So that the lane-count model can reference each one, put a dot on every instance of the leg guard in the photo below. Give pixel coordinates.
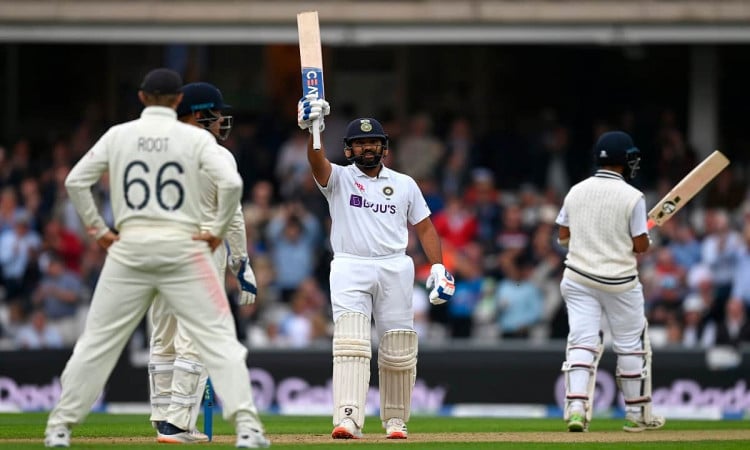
(580, 373)
(397, 364)
(352, 351)
(160, 387)
(633, 377)
(186, 395)
(199, 393)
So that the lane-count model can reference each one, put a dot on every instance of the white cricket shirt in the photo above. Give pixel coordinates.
(209, 204)
(370, 215)
(155, 166)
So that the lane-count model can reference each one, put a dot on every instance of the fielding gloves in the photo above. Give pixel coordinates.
(246, 279)
(441, 283)
(310, 108)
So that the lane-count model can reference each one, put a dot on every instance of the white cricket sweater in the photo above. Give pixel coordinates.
(600, 251)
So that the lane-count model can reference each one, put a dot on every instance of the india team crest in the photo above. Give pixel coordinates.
(365, 126)
(388, 191)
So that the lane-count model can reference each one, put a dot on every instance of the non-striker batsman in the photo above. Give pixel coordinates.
(603, 224)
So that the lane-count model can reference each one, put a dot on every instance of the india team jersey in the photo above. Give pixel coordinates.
(155, 166)
(370, 215)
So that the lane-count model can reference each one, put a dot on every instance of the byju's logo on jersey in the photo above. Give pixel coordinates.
(358, 201)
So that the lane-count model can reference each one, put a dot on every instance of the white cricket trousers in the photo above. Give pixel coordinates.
(380, 288)
(142, 264)
(624, 311)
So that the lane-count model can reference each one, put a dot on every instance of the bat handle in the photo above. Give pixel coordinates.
(316, 134)
(650, 224)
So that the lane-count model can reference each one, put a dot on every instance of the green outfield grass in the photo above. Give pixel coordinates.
(110, 432)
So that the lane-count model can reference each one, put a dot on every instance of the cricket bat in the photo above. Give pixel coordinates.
(687, 188)
(311, 60)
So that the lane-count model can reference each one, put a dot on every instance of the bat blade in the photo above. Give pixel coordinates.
(687, 188)
(311, 61)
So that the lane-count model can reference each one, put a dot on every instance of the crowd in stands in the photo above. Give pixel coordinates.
(494, 201)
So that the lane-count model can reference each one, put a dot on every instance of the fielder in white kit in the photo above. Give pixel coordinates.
(603, 224)
(156, 164)
(177, 377)
(372, 277)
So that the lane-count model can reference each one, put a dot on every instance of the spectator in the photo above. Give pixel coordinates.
(419, 152)
(37, 334)
(741, 277)
(31, 199)
(513, 239)
(59, 294)
(727, 191)
(664, 287)
(456, 224)
(9, 208)
(459, 157)
(63, 243)
(258, 213)
(685, 247)
(520, 302)
(19, 248)
(734, 329)
(699, 331)
(547, 264)
(484, 198)
(291, 167)
(294, 237)
(720, 252)
(296, 329)
(469, 289)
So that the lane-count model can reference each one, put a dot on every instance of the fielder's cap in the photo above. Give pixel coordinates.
(364, 128)
(200, 96)
(162, 82)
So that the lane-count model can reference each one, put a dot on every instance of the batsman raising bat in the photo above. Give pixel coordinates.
(372, 277)
(603, 224)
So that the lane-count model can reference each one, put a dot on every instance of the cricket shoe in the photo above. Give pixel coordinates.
(577, 423)
(198, 435)
(636, 424)
(347, 429)
(252, 438)
(395, 429)
(166, 433)
(57, 437)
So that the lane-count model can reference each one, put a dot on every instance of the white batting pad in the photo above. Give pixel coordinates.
(397, 369)
(633, 376)
(580, 376)
(160, 387)
(185, 395)
(352, 351)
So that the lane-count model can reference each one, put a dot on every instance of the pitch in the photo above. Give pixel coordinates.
(132, 432)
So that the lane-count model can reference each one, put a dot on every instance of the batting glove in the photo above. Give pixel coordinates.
(311, 108)
(441, 283)
(246, 279)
